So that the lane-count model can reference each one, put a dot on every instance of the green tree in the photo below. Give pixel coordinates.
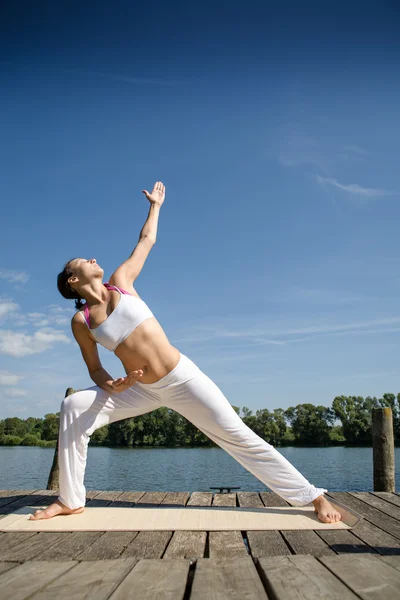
(310, 424)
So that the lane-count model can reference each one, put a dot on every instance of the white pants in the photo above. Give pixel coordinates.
(187, 390)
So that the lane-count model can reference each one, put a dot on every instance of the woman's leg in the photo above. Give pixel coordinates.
(195, 396)
(81, 414)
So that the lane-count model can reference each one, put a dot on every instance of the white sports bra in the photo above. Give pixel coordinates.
(129, 313)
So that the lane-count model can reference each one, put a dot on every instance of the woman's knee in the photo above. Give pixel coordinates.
(77, 401)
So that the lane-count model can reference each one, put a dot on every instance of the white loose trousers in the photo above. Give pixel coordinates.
(190, 392)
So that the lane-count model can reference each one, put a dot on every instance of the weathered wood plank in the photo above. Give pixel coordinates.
(388, 496)
(104, 498)
(373, 515)
(32, 546)
(127, 499)
(379, 503)
(148, 544)
(88, 580)
(306, 542)
(69, 546)
(235, 579)
(187, 544)
(393, 561)
(301, 578)
(226, 544)
(368, 576)
(249, 500)
(200, 499)
(344, 542)
(272, 499)
(26, 579)
(150, 579)
(175, 499)
(151, 498)
(8, 539)
(262, 543)
(379, 540)
(10, 496)
(6, 566)
(224, 499)
(266, 543)
(24, 500)
(109, 546)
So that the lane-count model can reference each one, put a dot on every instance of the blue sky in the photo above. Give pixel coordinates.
(275, 131)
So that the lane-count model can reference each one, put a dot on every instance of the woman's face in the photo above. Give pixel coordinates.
(84, 270)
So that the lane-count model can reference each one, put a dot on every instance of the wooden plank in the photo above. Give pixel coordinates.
(175, 499)
(127, 499)
(262, 543)
(88, 580)
(379, 503)
(393, 561)
(226, 544)
(151, 498)
(104, 498)
(368, 576)
(8, 539)
(32, 546)
(200, 499)
(150, 579)
(306, 542)
(266, 543)
(148, 544)
(68, 547)
(24, 500)
(26, 579)
(301, 578)
(388, 496)
(272, 499)
(249, 499)
(109, 546)
(373, 515)
(187, 544)
(224, 499)
(235, 579)
(344, 542)
(379, 540)
(10, 496)
(6, 566)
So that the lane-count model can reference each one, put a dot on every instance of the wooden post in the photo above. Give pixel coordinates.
(383, 449)
(53, 482)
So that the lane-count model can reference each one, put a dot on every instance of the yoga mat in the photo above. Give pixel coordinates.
(214, 518)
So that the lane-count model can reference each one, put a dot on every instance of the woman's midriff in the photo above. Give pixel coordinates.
(148, 348)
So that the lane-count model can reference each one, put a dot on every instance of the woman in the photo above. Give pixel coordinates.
(157, 374)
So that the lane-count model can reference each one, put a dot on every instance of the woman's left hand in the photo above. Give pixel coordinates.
(157, 195)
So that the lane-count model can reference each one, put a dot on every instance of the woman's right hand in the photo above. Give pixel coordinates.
(124, 383)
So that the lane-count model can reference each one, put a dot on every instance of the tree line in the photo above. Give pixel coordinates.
(300, 425)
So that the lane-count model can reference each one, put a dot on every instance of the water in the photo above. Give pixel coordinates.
(188, 469)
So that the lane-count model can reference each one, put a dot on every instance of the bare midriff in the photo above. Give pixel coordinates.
(148, 348)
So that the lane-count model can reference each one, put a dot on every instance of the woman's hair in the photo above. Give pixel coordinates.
(64, 287)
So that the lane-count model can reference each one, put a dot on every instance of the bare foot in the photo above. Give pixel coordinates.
(55, 509)
(325, 511)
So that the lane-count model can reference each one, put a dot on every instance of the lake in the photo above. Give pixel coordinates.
(188, 469)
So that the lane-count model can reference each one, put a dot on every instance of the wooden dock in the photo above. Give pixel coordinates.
(198, 565)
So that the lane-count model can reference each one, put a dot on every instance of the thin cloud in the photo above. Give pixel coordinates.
(353, 188)
(15, 343)
(15, 392)
(7, 378)
(7, 306)
(14, 276)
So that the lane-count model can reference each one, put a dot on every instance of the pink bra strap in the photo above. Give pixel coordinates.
(87, 316)
(110, 287)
